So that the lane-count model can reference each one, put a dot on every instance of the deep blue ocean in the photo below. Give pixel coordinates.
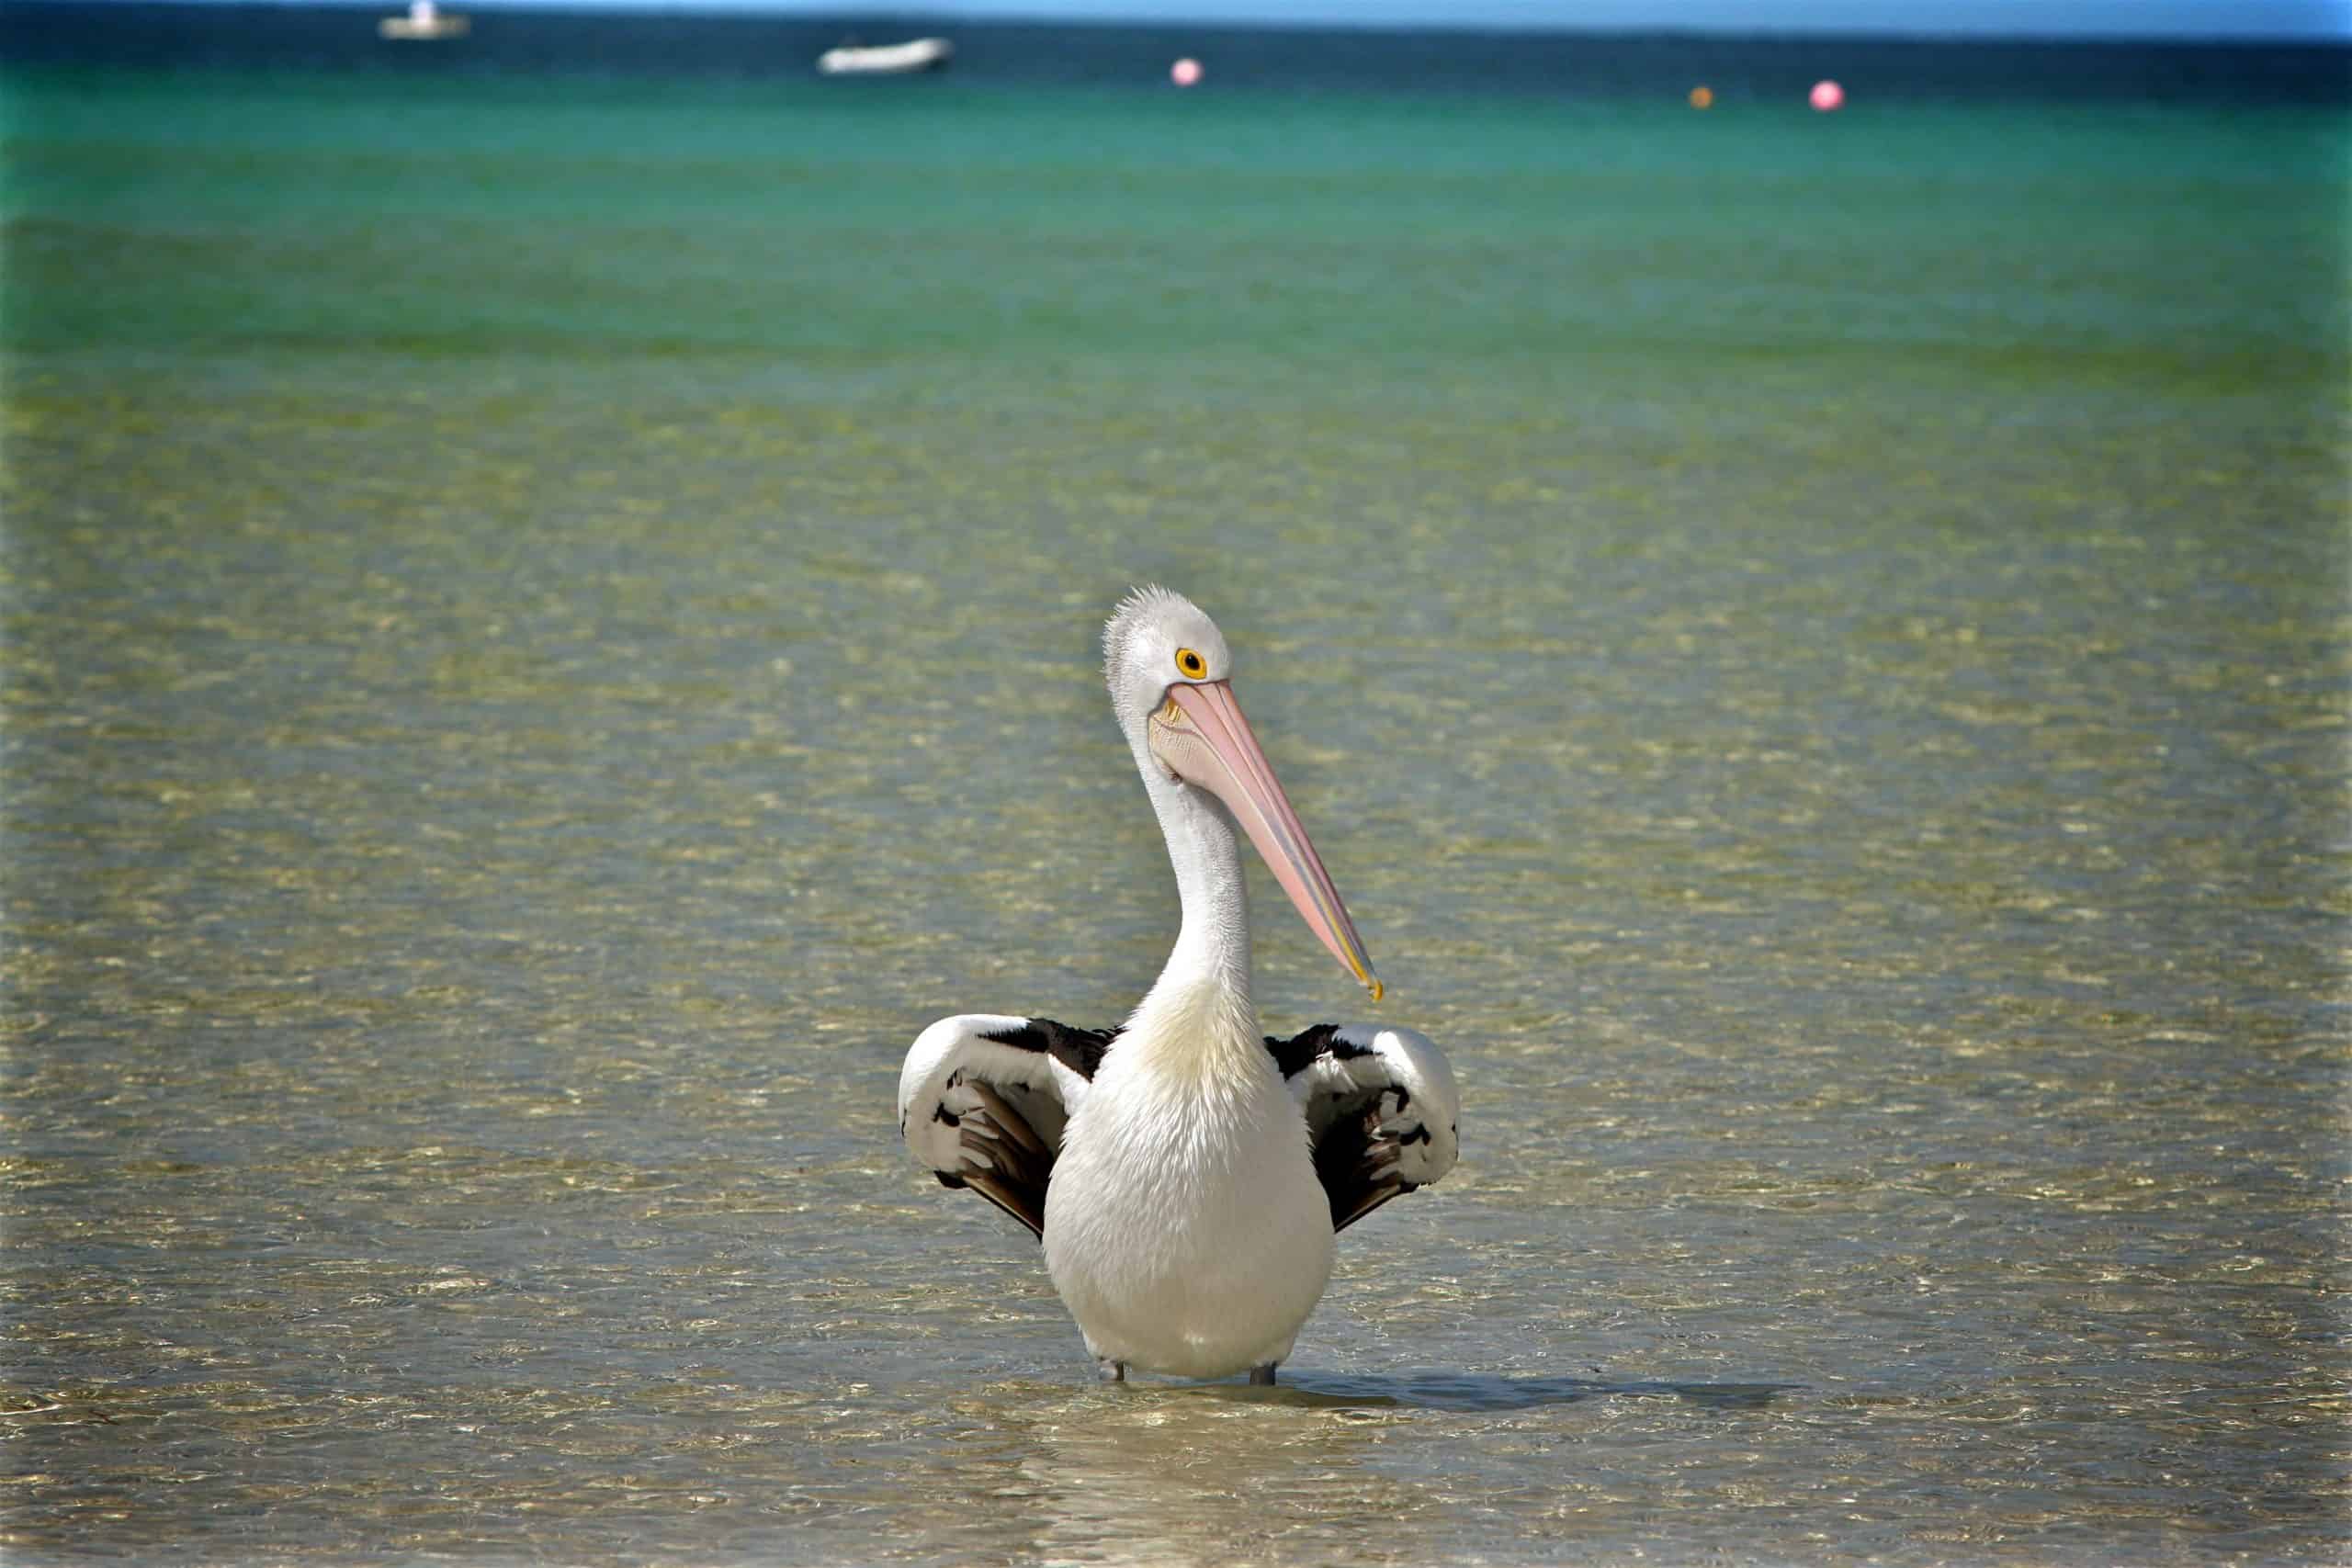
(1562, 66)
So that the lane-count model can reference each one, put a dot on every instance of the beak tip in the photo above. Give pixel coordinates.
(1374, 986)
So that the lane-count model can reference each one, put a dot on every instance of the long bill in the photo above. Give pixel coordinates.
(1199, 734)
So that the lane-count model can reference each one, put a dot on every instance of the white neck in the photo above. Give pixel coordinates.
(1202, 997)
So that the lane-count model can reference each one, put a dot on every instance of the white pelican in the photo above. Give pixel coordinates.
(1186, 1173)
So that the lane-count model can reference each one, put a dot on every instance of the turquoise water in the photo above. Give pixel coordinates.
(550, 630)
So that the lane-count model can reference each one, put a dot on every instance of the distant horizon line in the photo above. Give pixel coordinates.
(917, 16)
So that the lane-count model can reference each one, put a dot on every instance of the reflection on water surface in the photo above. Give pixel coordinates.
(1865, 821)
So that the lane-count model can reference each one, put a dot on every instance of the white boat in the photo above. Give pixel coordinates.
(886, 59)
(425, 20)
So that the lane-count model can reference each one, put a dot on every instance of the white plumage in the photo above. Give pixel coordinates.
(1186, 1172)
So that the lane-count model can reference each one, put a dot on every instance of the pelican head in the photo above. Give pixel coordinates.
(1170, 679)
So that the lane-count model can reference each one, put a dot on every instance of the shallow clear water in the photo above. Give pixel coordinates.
(545, 641)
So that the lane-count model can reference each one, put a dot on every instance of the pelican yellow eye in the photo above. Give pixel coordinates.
(1191, 665)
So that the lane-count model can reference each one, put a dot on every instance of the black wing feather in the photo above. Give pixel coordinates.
(1021, 1163)
(1353, 1159)
(1080, 1050)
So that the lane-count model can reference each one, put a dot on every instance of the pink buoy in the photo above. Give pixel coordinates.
(1185, 72)
(1828, 95)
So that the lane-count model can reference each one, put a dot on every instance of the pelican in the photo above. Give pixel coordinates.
(1186, 1173)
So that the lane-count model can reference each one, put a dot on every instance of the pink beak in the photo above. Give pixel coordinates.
(1202, 738)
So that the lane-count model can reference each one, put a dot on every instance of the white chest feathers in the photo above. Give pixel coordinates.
(1185, 1227)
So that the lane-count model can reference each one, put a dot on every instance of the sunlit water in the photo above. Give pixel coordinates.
(547, 639)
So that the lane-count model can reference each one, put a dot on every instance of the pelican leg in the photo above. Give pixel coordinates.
(1264, 1375)
(1108, 1370)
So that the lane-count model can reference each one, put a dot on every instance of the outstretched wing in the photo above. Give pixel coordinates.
(1380, 1109)
(983, 1100)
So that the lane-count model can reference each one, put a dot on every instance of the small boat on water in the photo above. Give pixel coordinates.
(425, 20)
(886, 59)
